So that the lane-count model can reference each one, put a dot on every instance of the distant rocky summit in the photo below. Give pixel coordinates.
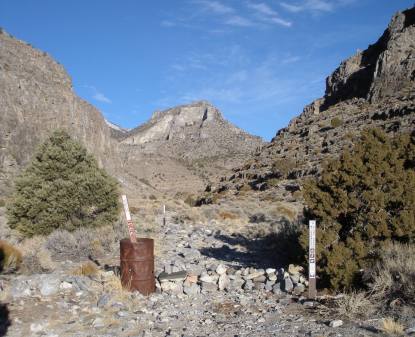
(375, 87)
(183, 148)
(117, 131)
(193, 131)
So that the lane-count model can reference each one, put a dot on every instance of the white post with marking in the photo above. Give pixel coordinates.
(131, 228)
(312, 288)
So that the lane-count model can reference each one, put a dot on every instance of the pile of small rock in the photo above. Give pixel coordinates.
(223, 278)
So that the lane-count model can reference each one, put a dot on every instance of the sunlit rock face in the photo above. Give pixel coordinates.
(193, 131)
(36, 97)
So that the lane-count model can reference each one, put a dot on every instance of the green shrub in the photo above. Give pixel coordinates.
(363, 198)
(62, 187)
(10, 257)
(190, 200)
(336, 122)
(283, 166)
(2, 203)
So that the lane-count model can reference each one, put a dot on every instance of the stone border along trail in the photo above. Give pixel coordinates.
(197, 296)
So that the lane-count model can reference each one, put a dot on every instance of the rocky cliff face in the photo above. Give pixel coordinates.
(383, 70)
(176, 150)
(36, 97)
(375, 87)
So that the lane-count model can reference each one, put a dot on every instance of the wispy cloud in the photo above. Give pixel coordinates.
(236, 20)
(98, 95)
(265, 13)
(231, 76)
(262, 8)
(229, 15)
(316, 6)
(215, 6)
(168, 23)
(243, 15)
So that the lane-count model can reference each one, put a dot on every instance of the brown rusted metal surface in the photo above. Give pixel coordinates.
(137, 265)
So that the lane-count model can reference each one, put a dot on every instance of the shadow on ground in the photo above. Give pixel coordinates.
(272, 250)
(4, 319)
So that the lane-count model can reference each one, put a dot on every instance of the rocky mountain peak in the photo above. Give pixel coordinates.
(385, 69)
(185, 126)
(194, 112)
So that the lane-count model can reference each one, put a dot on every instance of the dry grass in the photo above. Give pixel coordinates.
(114, 286)
(36, 257)
(393, 277)
(355, 304)
(284, 210)
(392, 327)
(84, 242)
(10, 257)
(225, 215)
(86, 269)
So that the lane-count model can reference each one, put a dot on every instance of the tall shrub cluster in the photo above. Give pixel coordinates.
(363, 200)
(62, 187)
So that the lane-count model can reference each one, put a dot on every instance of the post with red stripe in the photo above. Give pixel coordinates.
(312, 288)
(131, 228)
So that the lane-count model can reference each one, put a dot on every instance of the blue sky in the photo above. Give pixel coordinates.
(259, 62)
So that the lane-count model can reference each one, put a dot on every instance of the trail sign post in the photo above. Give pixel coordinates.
(131, 228)
(312, 289)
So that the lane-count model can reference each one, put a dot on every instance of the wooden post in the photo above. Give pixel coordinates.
(312, 287)
(131, 228)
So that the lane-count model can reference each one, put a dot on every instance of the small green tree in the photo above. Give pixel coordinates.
(62, 187)
(363, 199)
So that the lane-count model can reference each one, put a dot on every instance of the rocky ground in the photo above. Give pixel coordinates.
(210, 283)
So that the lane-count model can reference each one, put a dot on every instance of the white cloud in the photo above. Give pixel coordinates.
(292, 8)
(215, 6)
(262, 8)
(265, 13)
(238, 81)
(281, 22)
(97, 95)
(316, 6)
(236, 20)
(258, 16)
(167, 23)
(290, 59)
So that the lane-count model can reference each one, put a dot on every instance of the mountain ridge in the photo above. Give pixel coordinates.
(329, 124)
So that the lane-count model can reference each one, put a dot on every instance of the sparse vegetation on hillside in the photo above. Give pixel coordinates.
(363, 199)
(336, 122)
(62, 187)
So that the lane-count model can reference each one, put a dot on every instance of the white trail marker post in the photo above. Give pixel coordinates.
(131, 228)
(164, 215)
(312, 289)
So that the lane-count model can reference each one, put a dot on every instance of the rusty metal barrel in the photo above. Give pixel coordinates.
(137, 265)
